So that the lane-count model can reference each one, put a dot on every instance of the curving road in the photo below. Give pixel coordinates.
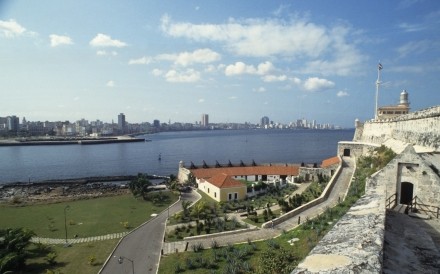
(141, 248)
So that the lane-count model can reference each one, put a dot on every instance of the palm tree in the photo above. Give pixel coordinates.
(139, 186)
(13, 244)
(185, 206)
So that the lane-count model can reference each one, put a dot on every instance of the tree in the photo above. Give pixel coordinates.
(139, 186)
(13, 244)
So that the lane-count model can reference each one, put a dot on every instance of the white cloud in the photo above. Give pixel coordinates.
(106, 53)
(296, 80)
(416, 47)
(342, 93)
(274, 78)
(157, 72)
(103, 40)
(11, 28)
(57, 40)
(255, 37)
(411, 27)
(110, 84)
(314, 84)
(260, 89)
(188, 76)
(326, 49)
(241, 68)
(210, 68)
(232, 97)
(140, 61)
(201, 100)
(202, 56)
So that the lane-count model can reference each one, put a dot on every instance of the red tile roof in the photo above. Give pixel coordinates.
(223, 180)
(242, 171)
(330, 161)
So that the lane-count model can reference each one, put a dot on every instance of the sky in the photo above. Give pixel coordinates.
(236, 61)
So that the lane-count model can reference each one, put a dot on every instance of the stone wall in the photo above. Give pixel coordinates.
(417, 128)
(355, 243)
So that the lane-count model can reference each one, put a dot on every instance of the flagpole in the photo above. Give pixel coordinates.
(379, 68)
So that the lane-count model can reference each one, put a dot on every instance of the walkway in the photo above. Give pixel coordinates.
(141, 247)
(337, 193)
(52, 241)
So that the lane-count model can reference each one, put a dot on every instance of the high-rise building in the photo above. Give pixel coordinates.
(156, 123)
(121, 123)
(264, 121)
(205, 120)
(13, 123)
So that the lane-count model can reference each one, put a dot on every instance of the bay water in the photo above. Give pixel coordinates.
(36, 163)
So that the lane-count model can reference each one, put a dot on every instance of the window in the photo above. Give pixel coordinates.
(215, 194)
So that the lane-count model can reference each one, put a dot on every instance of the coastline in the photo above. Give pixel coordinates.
(72, 141)
(20, 193)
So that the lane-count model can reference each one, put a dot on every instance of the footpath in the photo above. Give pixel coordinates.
(337, 194)
(52, 241)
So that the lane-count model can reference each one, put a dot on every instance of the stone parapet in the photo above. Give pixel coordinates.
(355, 243)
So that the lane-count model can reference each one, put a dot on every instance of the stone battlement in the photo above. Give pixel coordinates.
(418, 128)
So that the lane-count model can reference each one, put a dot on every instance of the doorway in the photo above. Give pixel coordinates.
(406, 193)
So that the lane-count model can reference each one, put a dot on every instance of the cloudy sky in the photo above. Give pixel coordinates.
(234, 60)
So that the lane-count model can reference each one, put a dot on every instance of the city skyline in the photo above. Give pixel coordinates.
(235, 60)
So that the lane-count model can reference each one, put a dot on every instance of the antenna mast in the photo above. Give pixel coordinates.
(379, 68)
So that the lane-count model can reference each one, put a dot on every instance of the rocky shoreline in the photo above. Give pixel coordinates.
(49, 191)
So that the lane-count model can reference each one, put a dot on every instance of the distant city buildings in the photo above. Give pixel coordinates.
(10, 126)
(300, 123)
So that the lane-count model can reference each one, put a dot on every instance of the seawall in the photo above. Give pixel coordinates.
(71, 142)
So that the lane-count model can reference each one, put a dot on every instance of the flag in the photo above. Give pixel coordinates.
(379, 67)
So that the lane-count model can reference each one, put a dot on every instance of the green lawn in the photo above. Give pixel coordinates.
(91, 217)
(74, 259)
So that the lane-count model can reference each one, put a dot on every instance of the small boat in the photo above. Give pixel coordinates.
(160, 157)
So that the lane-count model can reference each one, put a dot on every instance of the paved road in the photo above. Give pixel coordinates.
(141, 248)
(339, 190)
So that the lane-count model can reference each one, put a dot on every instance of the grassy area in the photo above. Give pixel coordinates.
(74, 259)
(91, 217)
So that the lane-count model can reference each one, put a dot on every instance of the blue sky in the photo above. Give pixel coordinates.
(234, 60)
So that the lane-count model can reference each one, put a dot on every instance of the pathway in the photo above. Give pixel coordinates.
(140, 249)
(52, 241)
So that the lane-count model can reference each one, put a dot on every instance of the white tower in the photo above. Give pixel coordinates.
(379, 68)
(404, 98)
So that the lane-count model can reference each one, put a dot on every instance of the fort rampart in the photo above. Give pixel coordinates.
(417, 128)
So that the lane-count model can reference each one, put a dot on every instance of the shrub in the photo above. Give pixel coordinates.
(51, 258)
(91, 259)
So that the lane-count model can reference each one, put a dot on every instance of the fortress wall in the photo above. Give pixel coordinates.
(418, 128)
(355, 243)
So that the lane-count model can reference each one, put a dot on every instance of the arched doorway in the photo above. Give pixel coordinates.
(406, 193)
(347, 152)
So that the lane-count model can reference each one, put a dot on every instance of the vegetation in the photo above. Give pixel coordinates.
(276, 255)
(85, 218)
(13, 248)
